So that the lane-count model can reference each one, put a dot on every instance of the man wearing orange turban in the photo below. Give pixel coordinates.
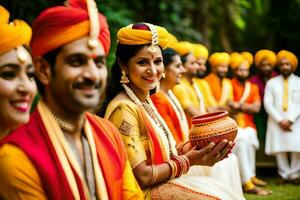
(220, 85)
(282, 98)
(265, 61)
(246, 101)
(65, 151)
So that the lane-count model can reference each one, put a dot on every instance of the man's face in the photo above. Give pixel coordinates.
(265, 68)
(242, 72)
(221, 70)
(191, 66)
(80, 76)
(201, 72)
(285, 67)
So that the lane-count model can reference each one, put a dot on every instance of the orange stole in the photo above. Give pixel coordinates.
(111, 154)
(165, 109)
(156, 146)
(244, 119)
(215, 84)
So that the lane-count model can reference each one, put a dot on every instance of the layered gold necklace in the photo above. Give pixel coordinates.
(152, 111)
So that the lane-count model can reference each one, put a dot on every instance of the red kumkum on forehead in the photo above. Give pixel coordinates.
(93, 56)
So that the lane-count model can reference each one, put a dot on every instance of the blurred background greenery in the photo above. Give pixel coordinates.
(222, 25)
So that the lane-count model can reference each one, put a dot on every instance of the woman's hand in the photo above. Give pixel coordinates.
(210, 154)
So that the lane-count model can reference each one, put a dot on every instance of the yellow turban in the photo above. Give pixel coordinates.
(236, 60)
(248, 56)
(289, 56)
(270, 56)
(130, 36)
(183, 48)
(12, 34)
(200, 50)
(218, 58)
(172, 40)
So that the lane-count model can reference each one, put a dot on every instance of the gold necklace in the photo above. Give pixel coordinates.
(151, 111)
(64, 124)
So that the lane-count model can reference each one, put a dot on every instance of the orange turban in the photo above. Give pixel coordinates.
(12, 34)
(60, 25)
(248, 56)
(200, 50)
(289, 56)
(130, 36)
(236, 60)
(270, 56)
(183, 48)
(218, 58)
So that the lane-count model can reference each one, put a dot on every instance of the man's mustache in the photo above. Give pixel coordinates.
(87, 83)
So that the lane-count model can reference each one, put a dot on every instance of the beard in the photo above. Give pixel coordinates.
(286, 73)
(221, 75)
(241, 79)
(201, 74)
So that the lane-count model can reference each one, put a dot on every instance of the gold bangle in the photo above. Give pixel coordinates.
(154, 175)
(173, 167)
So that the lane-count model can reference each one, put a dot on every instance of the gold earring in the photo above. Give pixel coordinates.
(163, 75)
(124, 78)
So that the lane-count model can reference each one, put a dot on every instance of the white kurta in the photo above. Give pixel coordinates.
(278, 140)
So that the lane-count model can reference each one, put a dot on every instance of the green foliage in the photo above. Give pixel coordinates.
(222, 25)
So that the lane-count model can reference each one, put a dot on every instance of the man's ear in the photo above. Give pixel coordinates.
(42, 70)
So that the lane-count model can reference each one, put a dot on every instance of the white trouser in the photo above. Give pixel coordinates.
(246, 144)
(226, 172)
(286, 170)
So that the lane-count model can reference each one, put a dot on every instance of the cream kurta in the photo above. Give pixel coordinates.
(278, 140)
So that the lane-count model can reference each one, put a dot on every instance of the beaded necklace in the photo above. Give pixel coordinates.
(151, 110)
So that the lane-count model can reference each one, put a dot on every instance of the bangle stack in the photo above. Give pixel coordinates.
(179, 165)
(180, 148)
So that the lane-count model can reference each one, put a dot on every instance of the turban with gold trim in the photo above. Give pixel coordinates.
(218, 58)
(60, 25)
(200, 50)
(248, 56)
(236, 60)
(183, 48)
(12, 34)
(289, 56)
(131, 36)
(263, 54)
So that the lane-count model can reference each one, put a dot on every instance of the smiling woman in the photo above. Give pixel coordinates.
(158, 167)
(17, 85)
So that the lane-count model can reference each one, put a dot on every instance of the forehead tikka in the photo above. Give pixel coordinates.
(22, 55)
(154, 39)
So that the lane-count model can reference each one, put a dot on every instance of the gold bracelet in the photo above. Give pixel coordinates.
(154, 175)
(173, 167)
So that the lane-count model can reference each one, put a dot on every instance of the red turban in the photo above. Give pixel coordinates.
(12, 34)
(60, 25)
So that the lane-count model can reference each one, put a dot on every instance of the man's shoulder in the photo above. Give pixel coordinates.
(100, 121)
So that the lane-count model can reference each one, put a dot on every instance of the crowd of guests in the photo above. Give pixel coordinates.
(139, 148)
